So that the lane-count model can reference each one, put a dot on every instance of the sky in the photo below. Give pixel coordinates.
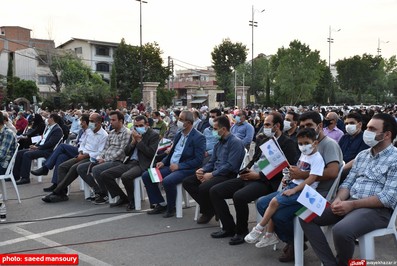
(188, 30)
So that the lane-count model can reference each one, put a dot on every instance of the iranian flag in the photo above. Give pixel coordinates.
(307, 215)
(164, 144)
(274, 161)
(155, 175)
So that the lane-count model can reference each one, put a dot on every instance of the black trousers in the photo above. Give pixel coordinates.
(200, 192)
(242, 192)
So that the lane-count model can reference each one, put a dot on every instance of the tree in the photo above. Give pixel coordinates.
(322, 93)
(26, 89)
(225, 58)
(164, 97)
(127, 69)
(297, 71)
(10, 79)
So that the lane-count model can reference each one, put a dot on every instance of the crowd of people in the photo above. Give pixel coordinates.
(204, 149)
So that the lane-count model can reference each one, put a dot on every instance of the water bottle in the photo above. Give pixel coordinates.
(3, 210)
(286, 178)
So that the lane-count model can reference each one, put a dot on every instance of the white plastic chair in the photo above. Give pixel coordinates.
(9, 174)
(298, 232)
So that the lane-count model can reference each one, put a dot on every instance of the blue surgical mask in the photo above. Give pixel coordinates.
(216, 134)
(238, 119)
(140, 130)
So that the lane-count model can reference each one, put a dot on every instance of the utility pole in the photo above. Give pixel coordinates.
(140, 45)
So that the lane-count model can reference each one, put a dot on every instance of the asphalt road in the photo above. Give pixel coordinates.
(111, 236)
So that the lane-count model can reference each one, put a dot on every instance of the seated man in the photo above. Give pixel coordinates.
(139, 155)
(159, 125)
(330, 126)
(90, 147)
(242, 129)
(210, 139)
(75, 127)
(224, 165)
(62, 153)
(252, 184)
(365, 200)
(7, 145)
(185, 157)
(44, 148)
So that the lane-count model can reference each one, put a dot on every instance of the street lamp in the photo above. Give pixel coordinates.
(379, 50)
(330, 40)
(253, 24)
(140, 44)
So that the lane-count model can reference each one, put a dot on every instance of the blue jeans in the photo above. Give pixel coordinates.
(61, 154)
(170, 181)
(284, 216)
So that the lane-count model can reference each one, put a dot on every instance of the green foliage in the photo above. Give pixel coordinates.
(10, 79)
(226, 57)
(164, 97)
(296, 71)
(26, 89)
(325, 89)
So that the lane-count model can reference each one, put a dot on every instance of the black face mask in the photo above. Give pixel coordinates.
(326, 123)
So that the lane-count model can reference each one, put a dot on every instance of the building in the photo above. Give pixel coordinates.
(98, 55)
(195, 88)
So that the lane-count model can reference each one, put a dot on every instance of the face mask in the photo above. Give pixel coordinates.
(287, 125)
(306, 149)
(211, 121)
(238, 119)
(18, 117)
(369, 138)
(180, 125)
(351, 129)
(140, 130)
(268, 132)
(76, 116)
(91, 125)
(46, 121)
(155, 120)
(326, 123)
(216, 134)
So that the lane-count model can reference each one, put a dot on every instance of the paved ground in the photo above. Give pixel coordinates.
(111, 236)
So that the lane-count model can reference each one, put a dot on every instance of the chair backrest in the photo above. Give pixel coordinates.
(334, 188)
(10, 166)
(393, 219)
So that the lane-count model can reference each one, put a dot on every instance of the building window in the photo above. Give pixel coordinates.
(78, 50)
(45, 80)
(102, 67)
(102, 50)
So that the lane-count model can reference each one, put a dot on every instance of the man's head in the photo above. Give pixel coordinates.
(307, 140)
(221, 126)
(53, 119)
(77, 114)
(116, 120)
(84, 121)
(273, 125)
(381, 131)
(241, 116)
(185, 121)
(156, 116)
(95, 122)
(291, 121)
(141, 124)
(176, 115)
(330, 120)
(213, 114)
(311, 119)
(353, 123)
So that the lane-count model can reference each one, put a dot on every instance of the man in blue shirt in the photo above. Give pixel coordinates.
(209, 137)
(224, 164)
(242, 129)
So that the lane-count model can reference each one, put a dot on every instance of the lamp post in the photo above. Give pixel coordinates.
(235, 87)
(380, 50)
(140, 45)
(252, 24)
(330, 40)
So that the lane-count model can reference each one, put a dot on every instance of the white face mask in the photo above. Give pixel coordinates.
(76, 116)
(180, 125)
(268, 132)
(91, 125)
(306, 149)
(155, 120)
(287, 125)
(351, 129)
(369, 138)
(46, 121)
(211, 121)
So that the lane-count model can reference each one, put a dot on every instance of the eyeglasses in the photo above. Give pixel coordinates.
(139, 125)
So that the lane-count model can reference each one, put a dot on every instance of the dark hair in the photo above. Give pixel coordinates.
(217, 111)
(244, 113)
(389, 123)
(307, 132)
(85, 118)
(141, 117)
(156, 113)
(356, 116)
(277, 118)
(1, 118)
(55, 117)
(295, 116)
(223, 121)
(310, 115)
(177, 113)
(119, 114)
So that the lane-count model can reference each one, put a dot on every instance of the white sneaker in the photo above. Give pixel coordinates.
(253, 236)
(267, 240)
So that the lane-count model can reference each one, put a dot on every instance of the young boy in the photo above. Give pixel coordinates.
(310, 160)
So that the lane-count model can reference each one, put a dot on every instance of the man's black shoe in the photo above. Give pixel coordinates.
(119, 202)
(51, 198)
(169, 213)
(204, 219)
(222, 234)
(50, 188)
(237, 239)
(130, 206)
(158, 209)
(23, 181)
(41, 171)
